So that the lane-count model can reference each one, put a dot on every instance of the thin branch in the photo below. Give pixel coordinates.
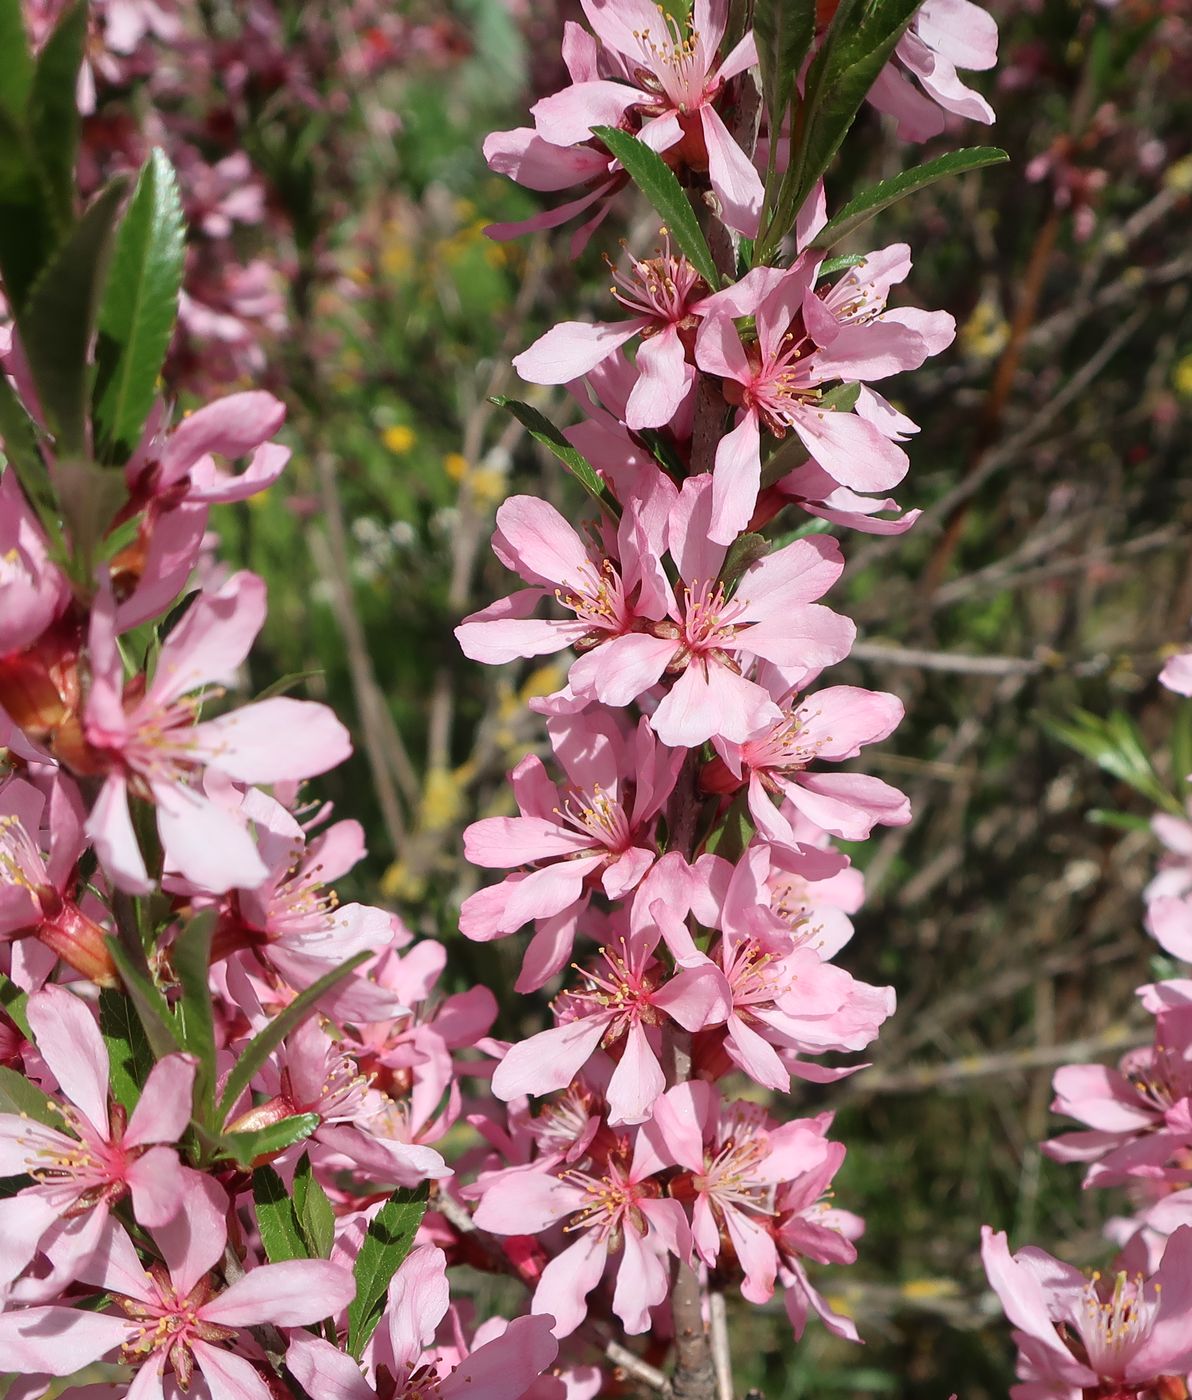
(721, 1350)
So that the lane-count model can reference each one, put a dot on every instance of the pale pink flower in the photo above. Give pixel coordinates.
(1168, 918)
(101, 1154)
(806, 339)
(1114, 1333)
(711, 635)
(596, 831)
(154, 746)
(503, 1364)
(650, 73)
(943, 36)
(830, 725)
(619, 1211)
(33, 591)
(176, 1316)
(1176, 674)
(1139, 1117)
(1173, 879)
(626, 1003)
(611, 583)
(737, 1158)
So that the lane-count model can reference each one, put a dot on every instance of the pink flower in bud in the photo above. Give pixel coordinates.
(154, 745)
(101, 1154)
(1116, 1333)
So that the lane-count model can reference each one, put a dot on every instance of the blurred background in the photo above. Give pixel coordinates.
(329, 159)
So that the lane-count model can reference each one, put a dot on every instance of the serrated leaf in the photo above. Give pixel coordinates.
(854, 51)
(277, 1219)
(21, 1096)
(245, 1148)
(872, 201)
(316, 1216)
(390, 1234)
(13, 1002)
(53, 109)
(152, 1008)
(190, 958)
(829, 266)
(129, 1054)
(262, 1045)
(656, 180)
(139, 308)
(544, 431)
(16, 71)
(783, 30)
(58, 320)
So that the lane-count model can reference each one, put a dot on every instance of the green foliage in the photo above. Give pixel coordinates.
(314, 1212)
(21, 1096)
(244, 1148)
(545, 432)
(53, 111)
(156, 1018)
(656, 180)
(783, 30)
(194, 1017)
(140, 304)
(13, 1001)
(277, 1220)
(129, 1054)
(390, 1234)
(859, 210)
(855, 49)
(58, 321)
(16, 72)
(1115, 744)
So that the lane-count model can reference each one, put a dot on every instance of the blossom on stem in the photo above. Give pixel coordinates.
(101, 1154)
(151, 743)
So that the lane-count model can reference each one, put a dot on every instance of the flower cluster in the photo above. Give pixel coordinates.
(1125, 1330)
(234, 1110)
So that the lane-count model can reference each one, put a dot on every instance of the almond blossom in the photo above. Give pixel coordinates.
(101, 1154)
(153, 745)
(1112, 1334)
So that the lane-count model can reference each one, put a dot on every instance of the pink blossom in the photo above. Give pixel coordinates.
(1108, 1334)
(1173, 879)
(595, 832)
(1169, 919)
(504, 1365)
(620, 1210)
(154, 746)
(806, 338)
(711, 635)
(831, 725)
(1138, 1117)
(175, 1316)
(104, 1155)
(943, 36)
(1176, 674)
(648, 72)
(33, 592)
(626, 1002)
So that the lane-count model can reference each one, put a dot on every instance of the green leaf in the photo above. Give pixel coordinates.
(245, 1148)
(13, 1001)
(829, 266)
(855, 49)
(656, 180)
(129, 1054)
(27, 232)
(544, 431)
(1117, 821)
(735, 832)
(390, 1234)
(190, 957)
(791, 453)
(21, 1096)
(262, 1045)
(1116, 746)
(58, 320)
(288, 682)
(277, 1219)
(53, 114)
(152, 1008)
(316, 1217)
(872, 201)
(16, 72)
(89, 497)
(783, 30)
(745, 550)
(139, 308)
